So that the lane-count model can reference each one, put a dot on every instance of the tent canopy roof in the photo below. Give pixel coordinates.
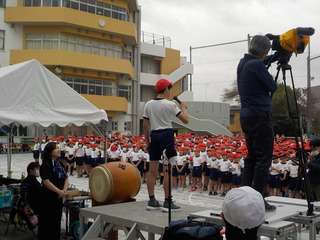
(31, 94)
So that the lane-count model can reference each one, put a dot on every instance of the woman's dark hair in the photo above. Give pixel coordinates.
(169, 87)
(49, 148)
(233, 232)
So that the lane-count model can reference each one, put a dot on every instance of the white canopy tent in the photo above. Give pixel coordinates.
(31, 94)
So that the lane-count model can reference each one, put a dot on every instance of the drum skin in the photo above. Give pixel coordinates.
(114, 182)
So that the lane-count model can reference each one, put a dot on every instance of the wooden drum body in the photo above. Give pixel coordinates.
(114, 182)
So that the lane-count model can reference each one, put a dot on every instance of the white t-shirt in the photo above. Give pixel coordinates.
(146, 156)
(124, 156)
(70, 150)
(181, 159)
(214, 163)
(87, 150)
(160, 112)
(204, 155)
(276, 166)
(36, 146)
(283, 167)
(95, 153)
(80, 152)
(135, 156)
(224, 165)
(293, 169)
(236, 168)
(197, 161)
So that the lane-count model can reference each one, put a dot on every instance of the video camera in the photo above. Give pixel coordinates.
(293, 41)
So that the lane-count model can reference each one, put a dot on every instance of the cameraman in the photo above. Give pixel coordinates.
(255, 85)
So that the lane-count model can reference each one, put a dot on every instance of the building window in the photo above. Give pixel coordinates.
(124, 91)
(115, 126)
(91, 86)
(2, 3)
(127, 126)
(232, 119)
(75, 44)
(2, 38)
(90, 6)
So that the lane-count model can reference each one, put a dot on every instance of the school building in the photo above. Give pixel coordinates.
(99, 49)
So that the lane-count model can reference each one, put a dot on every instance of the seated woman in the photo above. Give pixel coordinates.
(243, 212)
(31, 187)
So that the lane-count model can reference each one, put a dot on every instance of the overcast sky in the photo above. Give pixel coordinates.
(206, 22)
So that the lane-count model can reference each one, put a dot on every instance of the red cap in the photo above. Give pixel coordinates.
(113, 148)
(162, 84)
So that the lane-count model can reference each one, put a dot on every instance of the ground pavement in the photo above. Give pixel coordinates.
(19, 165)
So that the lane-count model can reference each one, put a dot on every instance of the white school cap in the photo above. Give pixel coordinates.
(244, 208)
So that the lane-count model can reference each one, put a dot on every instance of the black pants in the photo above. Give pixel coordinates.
(260, 138)
(50, 218)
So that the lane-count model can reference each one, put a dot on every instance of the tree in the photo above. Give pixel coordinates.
(231, 95)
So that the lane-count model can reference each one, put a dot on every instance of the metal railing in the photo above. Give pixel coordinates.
(156, 39)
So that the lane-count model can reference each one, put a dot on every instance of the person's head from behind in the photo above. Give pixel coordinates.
(163, 87)
(50, 152)
(315, 147)
(259, 46)
(33, 169)
(243, 211)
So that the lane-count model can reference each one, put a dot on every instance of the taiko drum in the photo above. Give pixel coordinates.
(114, 182)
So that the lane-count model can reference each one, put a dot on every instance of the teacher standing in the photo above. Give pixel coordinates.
(55, 183)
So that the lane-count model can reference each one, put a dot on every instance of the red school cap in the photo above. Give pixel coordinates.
(162, 84)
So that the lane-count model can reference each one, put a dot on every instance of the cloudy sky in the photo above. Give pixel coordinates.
(207, 22)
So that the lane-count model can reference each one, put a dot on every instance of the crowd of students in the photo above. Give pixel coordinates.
(204, 163)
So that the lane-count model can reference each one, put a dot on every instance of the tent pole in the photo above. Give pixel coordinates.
(9, 151)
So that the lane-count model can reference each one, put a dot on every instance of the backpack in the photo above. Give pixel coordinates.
(192, 230)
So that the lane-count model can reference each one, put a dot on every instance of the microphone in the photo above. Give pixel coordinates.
(177, 99)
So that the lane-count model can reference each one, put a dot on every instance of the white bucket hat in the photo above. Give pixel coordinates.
(244, 208)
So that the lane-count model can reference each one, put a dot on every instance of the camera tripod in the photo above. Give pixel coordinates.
(295, 118)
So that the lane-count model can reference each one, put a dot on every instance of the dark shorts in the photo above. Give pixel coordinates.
(207, 171)
(274, 181)
(188, 170)
(79, 161)
(236, 179)
(293, 183)
(87, 160)
(70, 161)
(174, 171)
(160, 140)
(147, 167)
(160, 168)
(214, 174)
(183, 172)
(36, 154)
(197, 172)
(285, 182)
(101, 160)
(225, 177)
(140, 166)
(94, 162)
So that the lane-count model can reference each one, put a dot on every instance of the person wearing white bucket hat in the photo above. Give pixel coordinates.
(243, 212)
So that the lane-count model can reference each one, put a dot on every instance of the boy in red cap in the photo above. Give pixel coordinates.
(158, 115)
(36, 149)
